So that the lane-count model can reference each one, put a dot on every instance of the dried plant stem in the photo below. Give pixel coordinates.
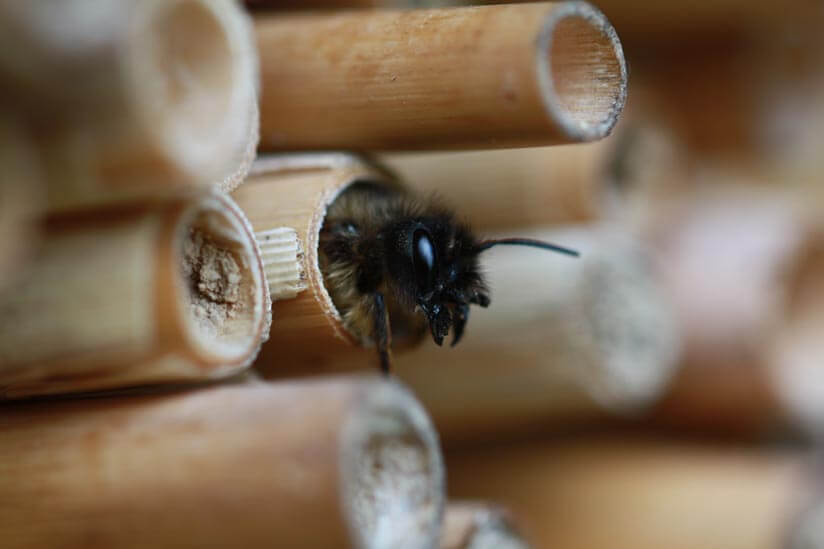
(564, 340)
(133, 95)
(479, 77)
(475, 525)
(294, 191)
(514, 187)
(161, 291)
(643, 494)
(336, 463)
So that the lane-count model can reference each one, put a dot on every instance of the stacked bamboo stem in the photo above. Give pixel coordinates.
(343, 463)
(646, 493)
(518, 75)
(133, 95)
(564, 340)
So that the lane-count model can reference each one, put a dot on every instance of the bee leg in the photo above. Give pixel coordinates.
(382, 332)
(459, 318)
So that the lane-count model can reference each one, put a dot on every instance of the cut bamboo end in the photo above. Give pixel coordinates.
(513, 75)
(563, 340)
(471, 525)
(334, 463)
(282, 262)
(21, 200)
(163, 291)
(295, 191)
(136, 93)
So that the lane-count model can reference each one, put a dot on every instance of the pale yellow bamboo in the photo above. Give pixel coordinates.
(162, 291)
(564, 340)
(336, 463)
(21, 199)
(133, 94)
(643, 494)
(294, 191)
(476, 525)
(483, 77)
(516, 187)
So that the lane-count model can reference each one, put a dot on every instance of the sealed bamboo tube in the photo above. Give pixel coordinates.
(161, 291)
(478, 77)
(644, 494)
(336, 463)
(21, 200)
(514, 187)
(564, 340)
(134, 94)
(294, 191)
(476, 525)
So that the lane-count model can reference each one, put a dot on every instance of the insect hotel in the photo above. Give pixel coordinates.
(286, 274)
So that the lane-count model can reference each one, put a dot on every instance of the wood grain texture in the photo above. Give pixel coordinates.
(479, 77)
(163, 291)
(336, 463)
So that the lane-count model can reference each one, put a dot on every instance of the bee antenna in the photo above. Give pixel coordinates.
(486, 244)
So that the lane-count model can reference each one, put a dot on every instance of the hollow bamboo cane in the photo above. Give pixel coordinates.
(479, 77)
(21, 199)
(161, 291)
(133, 94)
(644, 494)
(294, 191)
(475, 525)
(741, 266)
(333, 463)
(565, 340)
(516, 187)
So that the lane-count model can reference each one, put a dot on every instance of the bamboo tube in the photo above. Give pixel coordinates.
(515, 187)
(309, 326)
(158, 292)
(20, 200)
(564, 341)
(472, 525)
(517, 75)
(334, 463)
(735, 261)
(134, 94)
(643, 494)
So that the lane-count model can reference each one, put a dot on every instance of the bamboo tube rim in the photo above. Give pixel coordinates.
(233, 341)
(553, 93)
(351, 168)
(197, 88)
(388, 434)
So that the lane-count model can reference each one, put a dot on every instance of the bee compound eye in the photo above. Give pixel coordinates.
(423, 256)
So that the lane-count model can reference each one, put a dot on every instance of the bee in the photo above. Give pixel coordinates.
(396, 265)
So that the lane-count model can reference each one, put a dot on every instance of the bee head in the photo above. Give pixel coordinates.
(433, 262)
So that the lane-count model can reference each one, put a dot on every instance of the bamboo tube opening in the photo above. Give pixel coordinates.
(406, 327)
(190, 89)
(582, 70)
(222, 305)
(392, 472)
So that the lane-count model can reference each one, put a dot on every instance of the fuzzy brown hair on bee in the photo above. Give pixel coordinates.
(395, 264)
